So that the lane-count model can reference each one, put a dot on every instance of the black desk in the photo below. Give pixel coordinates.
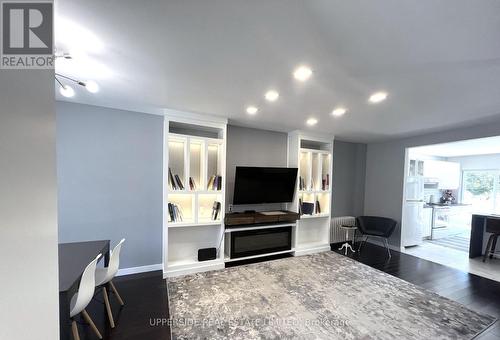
(73, 258)
(478, 232)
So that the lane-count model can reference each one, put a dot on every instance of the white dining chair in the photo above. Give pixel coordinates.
(106, 275)
(82, 298)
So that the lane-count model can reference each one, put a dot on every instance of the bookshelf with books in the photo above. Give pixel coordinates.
(194, 191)
(312, 154)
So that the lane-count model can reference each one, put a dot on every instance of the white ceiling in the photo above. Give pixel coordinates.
(439, 60)
(472, 147)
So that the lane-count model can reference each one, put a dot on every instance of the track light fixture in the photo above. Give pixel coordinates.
(67, 91)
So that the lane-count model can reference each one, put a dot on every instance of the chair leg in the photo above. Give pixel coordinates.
(74, 329)
(362, 242)
(386, 243)
(108, 307)
(494, 245)
(116, 293)
(488, 246)
(87, 318)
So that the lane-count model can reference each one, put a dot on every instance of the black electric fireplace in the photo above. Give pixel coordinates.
(260, 241)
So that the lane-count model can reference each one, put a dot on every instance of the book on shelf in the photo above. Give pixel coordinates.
(180, 185)
(171, 180)
(318, 207)
(300, 206)
(325, 182)
(192, 183)
(302, 183)
(216, 210)
(174, 181)
(174, 212)
(214, 183)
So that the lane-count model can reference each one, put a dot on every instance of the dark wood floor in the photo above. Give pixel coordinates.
(145, 295)
(477, 293)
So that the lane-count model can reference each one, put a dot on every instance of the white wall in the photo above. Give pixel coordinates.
(28, 209)
(385, 169)
(478, 162)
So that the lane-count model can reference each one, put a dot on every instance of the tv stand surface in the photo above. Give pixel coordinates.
(252, 218)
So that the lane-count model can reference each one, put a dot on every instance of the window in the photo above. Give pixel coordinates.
(481, 188)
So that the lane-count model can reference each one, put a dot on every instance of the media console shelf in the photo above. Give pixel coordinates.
(255, 218)
(312, 154)
(259, 234)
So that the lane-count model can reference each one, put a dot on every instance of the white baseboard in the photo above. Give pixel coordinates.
(141, 269)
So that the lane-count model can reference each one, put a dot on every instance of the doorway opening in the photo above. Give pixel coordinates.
(444, 185)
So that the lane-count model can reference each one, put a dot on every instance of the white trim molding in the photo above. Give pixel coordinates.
(141, 269)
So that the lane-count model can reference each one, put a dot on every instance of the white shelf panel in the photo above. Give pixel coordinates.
(322, 215)
(315, 151)
(180, 224)
(195, 192)
(179, 192)
(231, 230)
(192, 224)
(227, 259)
(314, 191)
(208, 222)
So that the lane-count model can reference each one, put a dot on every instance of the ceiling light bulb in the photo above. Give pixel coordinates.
(67, 91)
(272, 95)
(339, 111)
(378, 97)
(302, 73)
(311, 121)
(251, 110)
(91, 86)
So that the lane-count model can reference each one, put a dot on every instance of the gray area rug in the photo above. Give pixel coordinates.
(321, 296)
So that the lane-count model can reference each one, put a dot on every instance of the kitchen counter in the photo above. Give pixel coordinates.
(478, 236)
(444, 205)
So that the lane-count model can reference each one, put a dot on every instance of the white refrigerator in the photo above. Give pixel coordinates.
(413, 211)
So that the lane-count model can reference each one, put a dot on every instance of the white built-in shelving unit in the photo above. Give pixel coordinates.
(313, 156)
(194, 147)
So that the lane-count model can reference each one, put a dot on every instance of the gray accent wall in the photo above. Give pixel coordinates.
(252, 147)
(110, 165)
(385, 169)
(348, 183)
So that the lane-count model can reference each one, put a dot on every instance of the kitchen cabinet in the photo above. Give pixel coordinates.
(447, 173)
(416, 168)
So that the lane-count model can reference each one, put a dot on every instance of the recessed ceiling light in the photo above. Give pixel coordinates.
(378, 97)
(339, 111)
(272, 95)
(312, 121)
(92, 86)
(67, 91)
(251, 110)
(302, 73)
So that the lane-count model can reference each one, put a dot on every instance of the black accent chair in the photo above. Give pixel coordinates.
(375, 226)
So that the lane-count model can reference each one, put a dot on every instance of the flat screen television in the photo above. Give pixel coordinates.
(256, 185)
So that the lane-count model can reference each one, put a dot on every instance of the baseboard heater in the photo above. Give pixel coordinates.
(260, 241)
